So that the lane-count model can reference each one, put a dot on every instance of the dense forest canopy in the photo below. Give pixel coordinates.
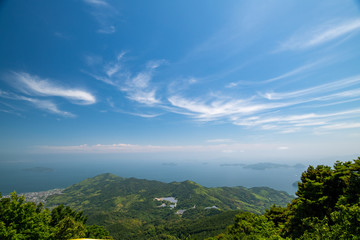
(25, 220)
(327, 207)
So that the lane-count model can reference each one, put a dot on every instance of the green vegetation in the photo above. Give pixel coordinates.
(26, 220)
(127, 208)
(327, 207)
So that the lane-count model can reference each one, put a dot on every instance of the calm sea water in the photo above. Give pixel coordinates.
(23, 177)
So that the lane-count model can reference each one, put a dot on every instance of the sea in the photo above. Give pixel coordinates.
(33, 176)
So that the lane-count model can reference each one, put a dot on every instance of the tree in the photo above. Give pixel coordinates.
(249, 226)
(323, 194)
(327, 207)
(25, 220)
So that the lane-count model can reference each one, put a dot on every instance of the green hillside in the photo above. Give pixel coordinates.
(133, 208)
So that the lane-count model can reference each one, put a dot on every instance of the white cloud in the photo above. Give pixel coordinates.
(142, 96)
(103, 79)
(266, 110)
(223, 108)
(291, 73)
(137, 86)
(291, 121)
(331, 86)
(92, 60)
(344, 94)
(34, 85)
(320, 35)
(139, 114)
(97, 2)
(107, 30)
(339, 126)
(141, 80)
(216, 108)
(48, 106)
(41, 104)
(7, 95)
(144, 115)
(289, 130)
(105, 15)
(181, 84)
(114, 67)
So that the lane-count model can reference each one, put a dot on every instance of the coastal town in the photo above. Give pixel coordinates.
(38, 197)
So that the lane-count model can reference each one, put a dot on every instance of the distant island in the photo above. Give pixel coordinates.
(263, 165)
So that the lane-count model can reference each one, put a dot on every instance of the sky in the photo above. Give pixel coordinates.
(252, 81)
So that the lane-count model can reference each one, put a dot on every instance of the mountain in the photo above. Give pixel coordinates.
(133, 208)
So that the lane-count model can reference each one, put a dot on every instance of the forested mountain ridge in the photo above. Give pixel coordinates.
(110, 192)
(129, 205)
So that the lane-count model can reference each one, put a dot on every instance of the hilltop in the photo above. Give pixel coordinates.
(131, 208)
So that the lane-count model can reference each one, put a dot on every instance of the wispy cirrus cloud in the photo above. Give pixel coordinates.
(213, 109)
(261, 110)
(320, 35)
(34, 85)
(105, 14)
(294, 72)
(219, 107)
(340, 126)
(137, 86)
(143, 115)
(46, 105)
(97, 2)
(268, 114)
(310, 119)
(107, 29)
(31, 88)
(267, 110)
(331, 86)
(297, 71)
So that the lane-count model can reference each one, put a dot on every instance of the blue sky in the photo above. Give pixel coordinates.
(240, 80)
